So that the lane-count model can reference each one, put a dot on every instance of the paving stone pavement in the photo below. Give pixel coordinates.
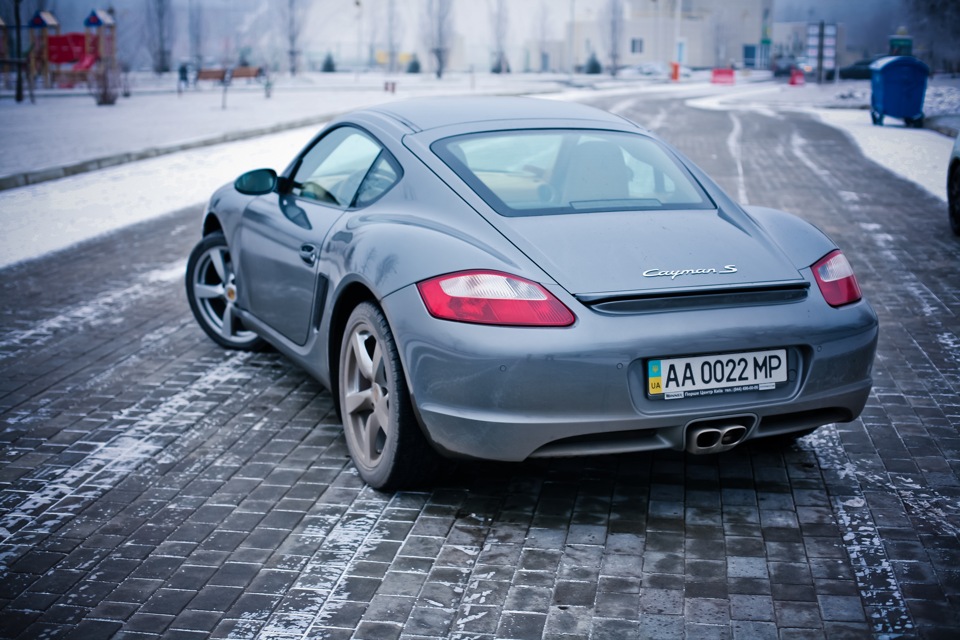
(155, 485)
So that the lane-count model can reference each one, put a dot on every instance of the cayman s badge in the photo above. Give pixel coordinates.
(676, 273)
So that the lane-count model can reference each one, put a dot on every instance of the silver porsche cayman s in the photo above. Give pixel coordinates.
(512, 278)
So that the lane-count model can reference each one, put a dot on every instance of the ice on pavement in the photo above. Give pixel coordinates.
(50, 216)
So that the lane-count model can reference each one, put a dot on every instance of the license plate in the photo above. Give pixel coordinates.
(676, 378)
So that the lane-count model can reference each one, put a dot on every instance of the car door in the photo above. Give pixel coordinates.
(282, 233)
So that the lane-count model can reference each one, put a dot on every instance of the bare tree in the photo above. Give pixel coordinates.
(500, 23)
(543, 34)
(159, 22)
(393, 31)
(611, 30)
(438, 31)
(373, 27)
(195, 29)
(936, 24)
(27, 9)
(295, 18)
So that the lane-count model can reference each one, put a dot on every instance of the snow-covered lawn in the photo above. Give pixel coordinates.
(53, 215)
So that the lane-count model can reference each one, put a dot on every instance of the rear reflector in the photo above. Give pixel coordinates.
(835, 278)
(491, 297)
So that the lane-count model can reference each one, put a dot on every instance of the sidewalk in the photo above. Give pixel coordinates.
(66, 133)
(64, 137)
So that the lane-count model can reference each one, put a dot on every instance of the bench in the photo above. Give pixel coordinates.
(224, 77)
(217, 75)
(247, 72)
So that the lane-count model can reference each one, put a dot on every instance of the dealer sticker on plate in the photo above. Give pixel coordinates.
(675, 378)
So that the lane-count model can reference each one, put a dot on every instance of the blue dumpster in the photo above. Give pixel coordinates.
(898, 84)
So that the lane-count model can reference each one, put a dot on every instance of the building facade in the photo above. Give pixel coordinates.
(696, 33)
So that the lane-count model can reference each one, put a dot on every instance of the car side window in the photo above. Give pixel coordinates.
(332, 170)
(379, 179)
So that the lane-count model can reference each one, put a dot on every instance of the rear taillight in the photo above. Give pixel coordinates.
(835, 278)
(491, 297)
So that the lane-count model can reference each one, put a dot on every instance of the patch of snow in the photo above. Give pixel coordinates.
(102, 309)
(71, 490)
(733, 145)
(50, 216)
(918, 155)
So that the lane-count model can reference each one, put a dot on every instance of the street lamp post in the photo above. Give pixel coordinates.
(16, 39)
(359, 40)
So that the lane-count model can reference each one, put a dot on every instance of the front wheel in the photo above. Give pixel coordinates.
(381, 430)
(212, 293)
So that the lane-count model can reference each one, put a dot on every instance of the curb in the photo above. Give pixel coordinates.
(12, 181)
(36, 176)
(16, 180)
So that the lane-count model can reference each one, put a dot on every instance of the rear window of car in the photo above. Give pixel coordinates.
(557, 171)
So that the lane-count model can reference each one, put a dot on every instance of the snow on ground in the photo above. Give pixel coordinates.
(50, 216)
(53, 215)
(918, 155)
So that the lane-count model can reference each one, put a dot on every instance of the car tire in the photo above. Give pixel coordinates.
(953, 198)
(382, 433)
(212, 294)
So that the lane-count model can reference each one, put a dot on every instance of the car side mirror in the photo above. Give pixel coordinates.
(258, 182)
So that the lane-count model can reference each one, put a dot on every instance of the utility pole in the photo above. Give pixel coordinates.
(359, 40)
(16, 39)
(293, 32)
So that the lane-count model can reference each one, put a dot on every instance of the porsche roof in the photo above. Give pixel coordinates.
(429, 113)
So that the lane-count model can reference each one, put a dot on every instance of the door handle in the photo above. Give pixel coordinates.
(308, 253)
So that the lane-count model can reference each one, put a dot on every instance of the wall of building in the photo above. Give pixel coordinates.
(709, 33)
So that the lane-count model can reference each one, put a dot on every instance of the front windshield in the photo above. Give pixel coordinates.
(542, 172)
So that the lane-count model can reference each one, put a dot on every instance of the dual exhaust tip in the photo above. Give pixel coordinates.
(714, 438)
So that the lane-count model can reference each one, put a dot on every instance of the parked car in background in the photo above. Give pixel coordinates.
(514, 278)
(859, 70)
(803, 65)
(953, 187)
(783, 65)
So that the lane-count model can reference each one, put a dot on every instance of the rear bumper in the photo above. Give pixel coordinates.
(507, 393)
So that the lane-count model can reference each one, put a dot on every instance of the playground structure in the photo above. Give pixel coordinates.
(94, 51)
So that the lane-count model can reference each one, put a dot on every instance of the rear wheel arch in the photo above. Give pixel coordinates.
(348, 300)
(386, 440)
